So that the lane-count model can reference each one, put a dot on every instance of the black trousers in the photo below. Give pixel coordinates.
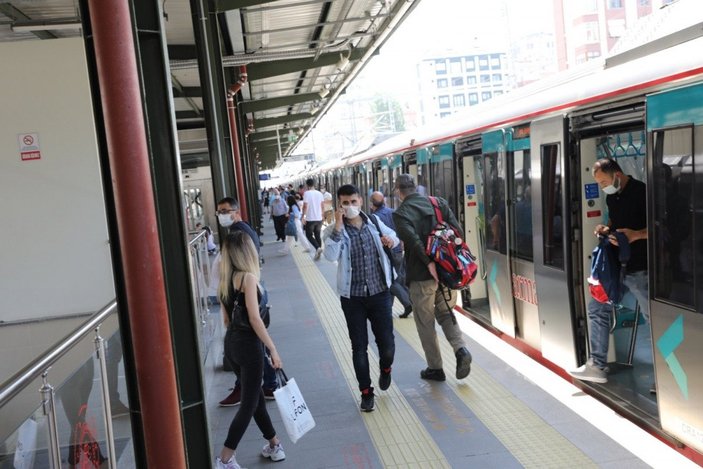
(279, 224)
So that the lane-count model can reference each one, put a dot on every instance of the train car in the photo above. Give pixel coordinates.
(517, 172)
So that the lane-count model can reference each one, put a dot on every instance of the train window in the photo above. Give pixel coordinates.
(674, 246)
(443, 181)
(422, 179)
(495, 202)
(552, 216)
(522, 195)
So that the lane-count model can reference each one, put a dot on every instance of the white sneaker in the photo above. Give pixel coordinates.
(590, 372)
(318, 253)
(276, 453)
(231, 464)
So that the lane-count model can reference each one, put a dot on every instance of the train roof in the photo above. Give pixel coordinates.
(598, 81)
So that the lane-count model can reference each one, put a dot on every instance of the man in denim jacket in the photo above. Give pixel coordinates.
(364, 277)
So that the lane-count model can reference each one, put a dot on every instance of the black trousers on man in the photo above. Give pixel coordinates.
(279, 224)
(312, 232)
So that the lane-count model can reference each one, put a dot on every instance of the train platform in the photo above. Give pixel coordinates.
(510, 412)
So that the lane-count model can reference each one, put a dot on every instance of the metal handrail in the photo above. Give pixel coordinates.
(37, 367)
(197, 237)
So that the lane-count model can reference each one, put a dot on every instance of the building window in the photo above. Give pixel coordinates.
(497, 77)
(442, 115)
(485, 78)
(470, 64)
(495, 62)
(589, 32)
(644, 3)
(497, 93)
(473, 98)
(440, 67)
(459, 100)
(443, 102)
(470, 80)
(486, 95)
(455, 66)
(614, 4)
(457, 81)
(592, 54)
(483, 62)
(442, 83)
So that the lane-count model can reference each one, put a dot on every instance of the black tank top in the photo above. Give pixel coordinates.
(235, 295)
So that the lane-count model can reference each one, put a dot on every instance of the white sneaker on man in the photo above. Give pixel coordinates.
(318, 253)
(590, 372)
(276, 453)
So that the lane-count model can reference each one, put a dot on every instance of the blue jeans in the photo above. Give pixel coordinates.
(377, 310)
(600, 315)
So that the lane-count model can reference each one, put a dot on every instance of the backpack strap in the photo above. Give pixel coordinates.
(386, 249)
(437, 211)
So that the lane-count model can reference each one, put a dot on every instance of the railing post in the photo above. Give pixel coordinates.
(49, 408)
(107, 409)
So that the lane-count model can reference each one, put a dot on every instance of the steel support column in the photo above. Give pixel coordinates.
(207, 39)
(136, 219)
(166, 169)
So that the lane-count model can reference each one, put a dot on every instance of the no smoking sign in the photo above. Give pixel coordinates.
(29, 146)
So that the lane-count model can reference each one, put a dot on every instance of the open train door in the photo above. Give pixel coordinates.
(551, 240)
(497, 262)
(675, 128)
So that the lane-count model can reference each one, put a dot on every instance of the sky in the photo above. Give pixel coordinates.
(437, 27)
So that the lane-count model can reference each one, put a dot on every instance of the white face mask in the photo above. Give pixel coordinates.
(352, 211)
(612, 188)
(225, 220)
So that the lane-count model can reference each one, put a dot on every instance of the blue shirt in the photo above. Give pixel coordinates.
(385, 214)
(243, 226)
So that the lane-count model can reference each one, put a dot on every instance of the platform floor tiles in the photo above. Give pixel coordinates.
(498, 417)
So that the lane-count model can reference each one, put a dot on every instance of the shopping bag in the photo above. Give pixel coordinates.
(294, 411)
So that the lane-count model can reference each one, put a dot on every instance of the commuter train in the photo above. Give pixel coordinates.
(517, 172)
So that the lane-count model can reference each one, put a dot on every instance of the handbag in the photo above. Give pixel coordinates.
(291, 229)
(294, 411)
(240, 318)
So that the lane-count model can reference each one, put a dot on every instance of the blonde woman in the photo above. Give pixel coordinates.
(246, 336)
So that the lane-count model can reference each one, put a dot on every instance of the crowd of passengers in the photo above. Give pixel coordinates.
(380, 255)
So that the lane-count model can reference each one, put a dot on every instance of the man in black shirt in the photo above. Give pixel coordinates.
(627, 213)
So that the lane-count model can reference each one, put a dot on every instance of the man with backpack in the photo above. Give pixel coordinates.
(627, 212)
(415, 220)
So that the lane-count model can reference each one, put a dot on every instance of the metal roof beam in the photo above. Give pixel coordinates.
(226, 5)
(261, 123)
(187, 92)
(315, 25)
(285, 5)
(261, 70)
(272, 103)
(16, 14)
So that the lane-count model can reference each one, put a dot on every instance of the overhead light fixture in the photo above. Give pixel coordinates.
(343, 62)
(323, 92)
(57, 25)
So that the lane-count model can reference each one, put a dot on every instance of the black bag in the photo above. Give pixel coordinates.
(391, 257)
(239, 319)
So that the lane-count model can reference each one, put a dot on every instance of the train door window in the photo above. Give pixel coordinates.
(522, 205)
(552, 216)
(674, 243)
(443, 181)
(495, 202)
(421, 181)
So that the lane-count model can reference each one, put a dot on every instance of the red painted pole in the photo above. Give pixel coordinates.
(139, 239)
(236, 156)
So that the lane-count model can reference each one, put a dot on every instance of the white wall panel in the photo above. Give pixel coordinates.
(54, 252)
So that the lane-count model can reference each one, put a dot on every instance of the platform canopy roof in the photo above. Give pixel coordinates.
(300, 56)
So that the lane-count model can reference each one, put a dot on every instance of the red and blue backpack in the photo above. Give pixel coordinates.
(456, 266)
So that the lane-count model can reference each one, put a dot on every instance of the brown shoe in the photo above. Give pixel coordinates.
(268, 394)
(233, 399)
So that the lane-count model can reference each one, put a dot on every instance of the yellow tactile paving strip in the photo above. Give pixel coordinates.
(531, 440)
(400, 438)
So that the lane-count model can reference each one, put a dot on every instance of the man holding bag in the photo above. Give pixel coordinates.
(364, 276)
